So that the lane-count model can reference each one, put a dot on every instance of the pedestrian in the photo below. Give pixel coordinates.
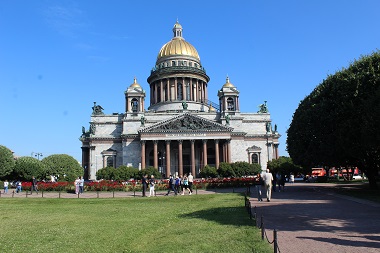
(259, 184)
(151, 186)
(185, 185)
(81, 184)
(282, 182)
(144, 183)
(76, 184)
(291, 178)
(268, 177)
(177, 183)
(190, 178)
(6, 185)
(171, 186)
(18, 186)
(34, 185)
(278, 181)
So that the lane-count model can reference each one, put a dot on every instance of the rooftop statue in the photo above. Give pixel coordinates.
(97, 109)
(184, 105)
(263, 108)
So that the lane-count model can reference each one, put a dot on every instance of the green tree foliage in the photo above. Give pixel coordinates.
(242, 169)
(284, 165)
(208, 171)
(225, 170)
(149, 171)
(64, 166)
(26, 167)
(338, 123)
(7, 161)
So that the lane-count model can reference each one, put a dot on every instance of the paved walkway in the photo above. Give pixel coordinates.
(311, 218)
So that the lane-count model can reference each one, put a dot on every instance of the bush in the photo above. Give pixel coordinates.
(208, 171)
(149, 171)
(225, 170)
(242, 169)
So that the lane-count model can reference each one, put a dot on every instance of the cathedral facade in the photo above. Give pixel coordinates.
(181, 131)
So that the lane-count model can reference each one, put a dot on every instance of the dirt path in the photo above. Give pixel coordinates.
(309, 218)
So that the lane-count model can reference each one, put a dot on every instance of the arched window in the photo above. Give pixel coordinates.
(109, 161)
(135, 105)
(255, 158)
(230, 104)
(179, 91)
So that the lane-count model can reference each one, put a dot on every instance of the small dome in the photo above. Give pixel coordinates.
(178, 45)
(228, 84)
(212, 109)
(135, 84)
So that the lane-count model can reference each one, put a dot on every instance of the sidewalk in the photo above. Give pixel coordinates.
(309, 218)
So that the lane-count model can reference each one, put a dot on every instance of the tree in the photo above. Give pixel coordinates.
(337, 124)
(284, 165)
(7, 161)
(63, 166)
(225, 170)
(208, 171)
(26, 167)
(149, 171)
(245, 169)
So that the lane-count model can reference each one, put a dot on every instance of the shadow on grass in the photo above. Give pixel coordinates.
(236, 216)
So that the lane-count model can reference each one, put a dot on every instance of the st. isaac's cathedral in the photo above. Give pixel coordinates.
(181, 131)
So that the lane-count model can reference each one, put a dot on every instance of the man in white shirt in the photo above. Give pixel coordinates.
(268, 177)
(190, 179)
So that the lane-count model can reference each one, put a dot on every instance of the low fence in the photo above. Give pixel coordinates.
(261, 225)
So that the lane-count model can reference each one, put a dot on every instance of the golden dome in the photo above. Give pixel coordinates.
(178, 45)
(211, 108)
(135, 84)
(228, 84)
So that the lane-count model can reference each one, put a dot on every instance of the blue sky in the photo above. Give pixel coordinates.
(58, 57)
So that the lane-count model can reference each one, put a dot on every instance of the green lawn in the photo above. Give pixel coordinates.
(197, 223)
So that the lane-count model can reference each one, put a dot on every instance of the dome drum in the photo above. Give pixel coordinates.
(162, 73)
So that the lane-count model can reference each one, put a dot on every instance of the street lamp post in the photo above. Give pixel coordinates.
(37, 155)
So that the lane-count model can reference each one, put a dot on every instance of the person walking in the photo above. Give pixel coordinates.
(18, 186)
(171, 186)
(81, 185)
(34, 185)
(6, 185)
(151, 186)
(185, 185)
(268, 177)
(76, 184)
(190, 178)
(144, 183)
(177, 183)
(259, 184)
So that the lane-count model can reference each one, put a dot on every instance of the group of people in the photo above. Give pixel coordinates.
(177, 185)
(18, 185)
(269, 182)
(79, 185)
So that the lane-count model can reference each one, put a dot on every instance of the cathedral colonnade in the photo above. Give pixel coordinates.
(177, 89)
(182, 156)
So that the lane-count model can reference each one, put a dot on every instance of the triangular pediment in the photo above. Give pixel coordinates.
(254, 148)
(186, 123)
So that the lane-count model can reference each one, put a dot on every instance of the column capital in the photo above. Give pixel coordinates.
(155, 142)
(192, 141)
(216, 140)
(204, 141)
(180, 141)
(167, 141)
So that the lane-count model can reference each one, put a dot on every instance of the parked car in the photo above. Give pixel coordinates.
(357, 177)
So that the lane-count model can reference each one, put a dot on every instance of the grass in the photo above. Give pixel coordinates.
(201, 223)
